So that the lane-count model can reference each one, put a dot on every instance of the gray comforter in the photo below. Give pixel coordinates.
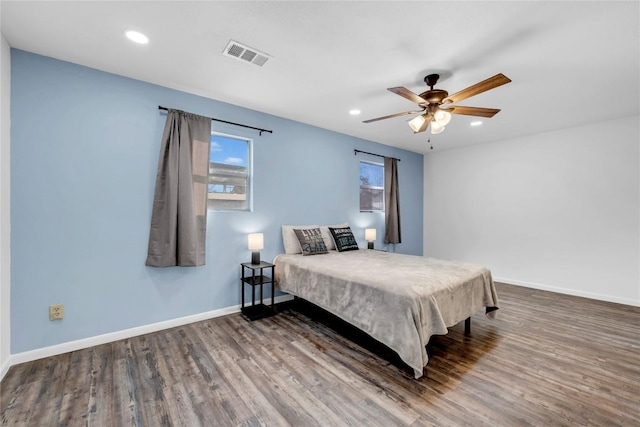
(400, 300)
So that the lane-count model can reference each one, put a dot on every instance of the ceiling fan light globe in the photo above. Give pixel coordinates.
(436, 128)
(417, 122)
(442, 117)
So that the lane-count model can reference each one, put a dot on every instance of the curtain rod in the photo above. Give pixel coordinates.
(356, 151)
(160, 107)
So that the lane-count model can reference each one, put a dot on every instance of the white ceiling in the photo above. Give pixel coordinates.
(571, 63)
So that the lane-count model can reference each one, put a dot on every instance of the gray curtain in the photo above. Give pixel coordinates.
(179, 217)
(391, 201)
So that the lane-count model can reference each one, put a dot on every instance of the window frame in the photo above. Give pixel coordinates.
(249, 175)
(370, 187)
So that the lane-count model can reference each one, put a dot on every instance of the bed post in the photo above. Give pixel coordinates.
(467, 326)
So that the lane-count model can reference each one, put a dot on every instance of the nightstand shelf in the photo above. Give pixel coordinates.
(257, 277)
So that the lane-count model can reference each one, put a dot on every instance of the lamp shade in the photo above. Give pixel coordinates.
(436, 128)
(417, 122)
(255, 241)
(442, 117)
(370, 234)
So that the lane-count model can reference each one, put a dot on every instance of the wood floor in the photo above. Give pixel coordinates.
(547, 360)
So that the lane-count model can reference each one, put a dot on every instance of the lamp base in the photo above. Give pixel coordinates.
(370, 245)
(255, 258)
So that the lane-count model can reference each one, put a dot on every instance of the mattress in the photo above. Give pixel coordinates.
(400, 300)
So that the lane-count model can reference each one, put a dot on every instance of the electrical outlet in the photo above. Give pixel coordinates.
(56, 312)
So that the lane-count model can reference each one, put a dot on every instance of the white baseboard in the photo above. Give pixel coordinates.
(5, 367)
(54, 350)
(568, 291)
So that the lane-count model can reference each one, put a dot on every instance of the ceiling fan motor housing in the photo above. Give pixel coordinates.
(434, 96)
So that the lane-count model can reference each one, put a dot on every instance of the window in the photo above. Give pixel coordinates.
(371, 187)
(229, 173)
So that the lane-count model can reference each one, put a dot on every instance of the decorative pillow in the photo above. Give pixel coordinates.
(290, 240)
(311, 241)
(326, 234)
(344, 239)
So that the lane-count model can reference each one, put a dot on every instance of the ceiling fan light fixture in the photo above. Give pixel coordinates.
(417, 122)
(436, 128)
(442, 117)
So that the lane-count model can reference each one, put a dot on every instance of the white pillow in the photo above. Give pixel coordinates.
(290, 240)
(327, 237)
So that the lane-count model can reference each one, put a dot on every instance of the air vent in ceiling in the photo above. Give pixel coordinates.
(245, 53)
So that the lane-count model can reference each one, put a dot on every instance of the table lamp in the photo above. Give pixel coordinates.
(370, 237)
(255, 243)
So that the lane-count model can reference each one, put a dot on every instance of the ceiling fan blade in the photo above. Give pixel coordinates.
(474, 111)
(406, 93)
(483, 86)
(406, 113)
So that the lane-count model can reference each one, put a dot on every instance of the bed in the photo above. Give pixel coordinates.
(400, 300)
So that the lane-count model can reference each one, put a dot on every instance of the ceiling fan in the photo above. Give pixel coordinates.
(436, 106)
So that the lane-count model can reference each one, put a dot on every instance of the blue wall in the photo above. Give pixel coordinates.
(84, 152)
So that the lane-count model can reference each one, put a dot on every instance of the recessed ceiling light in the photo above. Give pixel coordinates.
(477, 123)
(137, 37)
(354, 112)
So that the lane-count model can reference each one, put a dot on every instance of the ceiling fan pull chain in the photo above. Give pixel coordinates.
(429, 142)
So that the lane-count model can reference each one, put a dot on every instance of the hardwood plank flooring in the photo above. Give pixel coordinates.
(546, 360)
